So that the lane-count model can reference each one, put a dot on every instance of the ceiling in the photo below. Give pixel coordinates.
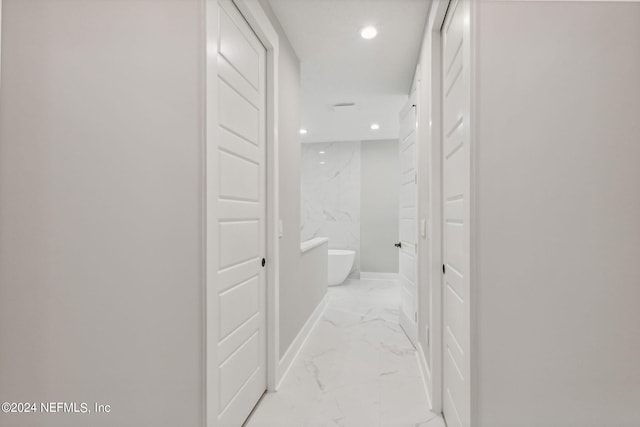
(339, 66)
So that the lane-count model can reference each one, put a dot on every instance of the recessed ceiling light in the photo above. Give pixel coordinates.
(375, 126)
(303, 131)
(322, 163)
(369, 32)
(321, 152)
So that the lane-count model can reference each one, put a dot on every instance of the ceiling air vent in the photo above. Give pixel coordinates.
(344, 107)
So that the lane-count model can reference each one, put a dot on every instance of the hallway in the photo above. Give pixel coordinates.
(358, 369)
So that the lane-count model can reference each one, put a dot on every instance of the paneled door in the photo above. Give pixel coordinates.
(236, 221)
(455, 227)
(408, 218)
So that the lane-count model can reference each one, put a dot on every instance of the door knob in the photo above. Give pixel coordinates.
(398, 245)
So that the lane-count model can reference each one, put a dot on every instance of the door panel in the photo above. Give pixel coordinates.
(240, 289)
(408, 220)
(230, 75)
(243, 181)
(239, 50)
(237, 114)
(238, 368)
(239, 304)
(455, 226)
(239, 242)
(232, 342)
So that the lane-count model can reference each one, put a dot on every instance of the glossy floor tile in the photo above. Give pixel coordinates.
(357, 369)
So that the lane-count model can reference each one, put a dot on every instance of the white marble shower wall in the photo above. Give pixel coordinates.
(330, 187)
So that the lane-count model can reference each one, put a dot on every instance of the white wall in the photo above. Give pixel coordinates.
(350, 195)
(558, 232)
(298, 297)
(101, 136)
(380, 185)
(330, 188)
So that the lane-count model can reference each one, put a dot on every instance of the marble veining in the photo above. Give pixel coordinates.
(357, 369)
(330, 189)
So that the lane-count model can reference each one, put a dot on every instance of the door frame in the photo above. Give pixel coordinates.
(433, 93)
(432, 138)
(259, 22)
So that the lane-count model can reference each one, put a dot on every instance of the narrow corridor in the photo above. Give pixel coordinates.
(358, 369)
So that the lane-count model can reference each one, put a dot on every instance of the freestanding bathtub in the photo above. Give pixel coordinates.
(340, 262)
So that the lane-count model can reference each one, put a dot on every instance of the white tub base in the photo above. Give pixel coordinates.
(340, 264)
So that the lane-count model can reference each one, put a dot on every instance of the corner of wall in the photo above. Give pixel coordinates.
(297, 298)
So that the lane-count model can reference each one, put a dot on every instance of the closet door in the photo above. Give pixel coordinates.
(236, 218)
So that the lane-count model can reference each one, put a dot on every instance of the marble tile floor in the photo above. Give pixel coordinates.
(357, 369)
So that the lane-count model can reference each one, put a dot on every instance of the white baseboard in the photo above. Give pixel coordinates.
(354, 275)
(410, 329)
(378, 276)
(425, 373)
(298, 342)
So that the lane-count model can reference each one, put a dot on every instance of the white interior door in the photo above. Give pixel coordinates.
(455, 227)
(408, 217)
(236, 143)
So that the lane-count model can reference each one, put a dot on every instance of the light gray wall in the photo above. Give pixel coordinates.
(298, 295)
(314, 265)
(0, 42)
(558, 231)
(101, 232)
(380, 173)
